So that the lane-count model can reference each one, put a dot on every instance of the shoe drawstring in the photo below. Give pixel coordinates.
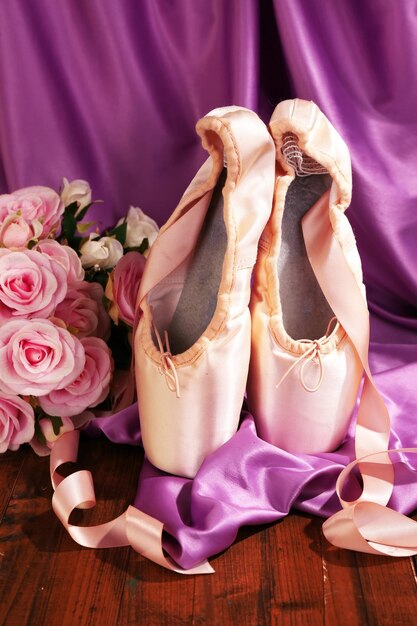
(167, 367)
(314, 352)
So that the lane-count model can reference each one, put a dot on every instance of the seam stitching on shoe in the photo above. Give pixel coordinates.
(338, 346)
(227, 129)
(333, 160)
(217, 332)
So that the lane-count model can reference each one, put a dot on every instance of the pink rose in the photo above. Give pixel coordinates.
(29, 214)
(17, 422)
(64, 255)
(91, 386)
(37, 357)
(126, 280)
(15, 232)
(83, 310)
(31, 284)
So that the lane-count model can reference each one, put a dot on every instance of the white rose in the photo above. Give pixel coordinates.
(104, 252)
(139, 226)
(76, 191)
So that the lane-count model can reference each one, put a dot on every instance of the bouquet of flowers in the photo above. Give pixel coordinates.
(67, 302)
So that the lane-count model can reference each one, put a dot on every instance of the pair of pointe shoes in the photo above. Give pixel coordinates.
(212, 327)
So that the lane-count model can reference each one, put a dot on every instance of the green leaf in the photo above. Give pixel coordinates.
(84, 226)
(39, 412)
(101, 277)
(83, 212)
(119, 232)
(69, 225)
(71, 209)
(142, 248)
(75, 243)
(56, 423)
(120, 346)
(39, 434)
(144, 245)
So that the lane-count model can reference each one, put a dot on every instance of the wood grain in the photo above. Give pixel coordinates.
(11, 464)
(284, 573)
(368, 589)
(46, 577)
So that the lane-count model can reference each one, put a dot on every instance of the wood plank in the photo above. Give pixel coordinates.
(155, 596)
(389, 587)
(45, 576)
(297, 575)
(270, 577)
(344, 600)
(240, 588)
(11, 464)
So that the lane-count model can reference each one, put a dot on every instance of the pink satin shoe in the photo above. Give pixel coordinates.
(304, 372)
(192, 345)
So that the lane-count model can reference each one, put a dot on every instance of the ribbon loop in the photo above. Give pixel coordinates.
(133, 527)
(366, 524)
(314, 352)
(167, 367)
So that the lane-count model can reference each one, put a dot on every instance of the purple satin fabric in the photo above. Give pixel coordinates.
(122, 427)
(111, 94)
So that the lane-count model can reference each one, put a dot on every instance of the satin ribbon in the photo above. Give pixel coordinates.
(364, 524)
(133, 527)
(314, 352)
(167, 367)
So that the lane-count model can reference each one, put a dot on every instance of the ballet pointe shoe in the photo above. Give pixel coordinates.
(192, 344)
(304, 372)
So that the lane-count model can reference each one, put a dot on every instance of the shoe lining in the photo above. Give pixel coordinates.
(198, 299)
(306, 312)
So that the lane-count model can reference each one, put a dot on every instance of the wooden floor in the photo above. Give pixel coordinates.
(285, 573)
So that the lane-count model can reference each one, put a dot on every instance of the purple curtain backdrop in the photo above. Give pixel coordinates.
(111, 94)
